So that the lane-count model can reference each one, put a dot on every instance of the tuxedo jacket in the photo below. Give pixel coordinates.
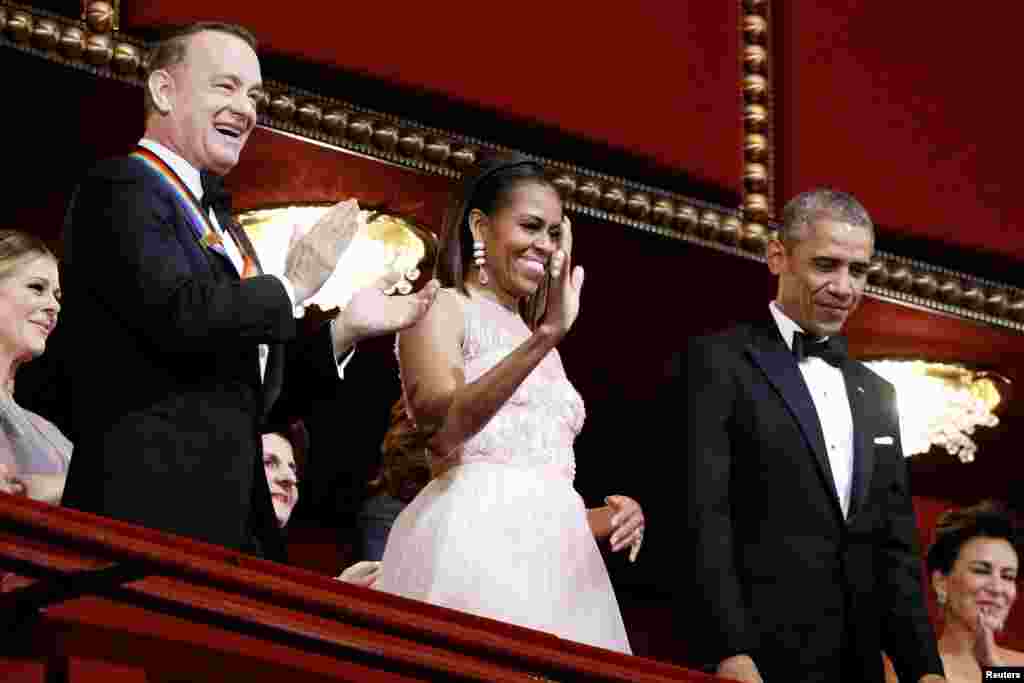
(779, 573)
(166, 395)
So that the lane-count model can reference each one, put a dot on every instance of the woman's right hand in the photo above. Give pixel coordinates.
(563, 304)
(985, 649)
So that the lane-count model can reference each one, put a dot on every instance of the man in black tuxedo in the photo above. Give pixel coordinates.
(181, 344)
(803, 535)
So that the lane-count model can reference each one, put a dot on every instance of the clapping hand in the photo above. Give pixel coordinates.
(985, 649)
(370, 312)
(313, 256)
(627, 525)
(563, 304)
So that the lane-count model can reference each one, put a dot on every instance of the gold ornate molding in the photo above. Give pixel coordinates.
(94, 46)
(912, 282)
(103, 17)
(408, 143)
(758, 116)
(90, 44)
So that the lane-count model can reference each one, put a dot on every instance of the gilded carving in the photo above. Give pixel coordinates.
(90, 45)
(45, 34)
(100, 17)
(19, 27)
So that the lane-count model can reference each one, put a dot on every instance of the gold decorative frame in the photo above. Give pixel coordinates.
(758, 115)
(94, 45)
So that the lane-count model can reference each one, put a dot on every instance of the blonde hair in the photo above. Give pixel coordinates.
(15, 246)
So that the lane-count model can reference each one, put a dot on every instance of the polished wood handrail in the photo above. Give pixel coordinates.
(203, 583)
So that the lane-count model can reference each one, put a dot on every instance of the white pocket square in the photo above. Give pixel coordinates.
(883, 441)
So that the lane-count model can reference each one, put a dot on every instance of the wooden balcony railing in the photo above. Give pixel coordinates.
(89, 598)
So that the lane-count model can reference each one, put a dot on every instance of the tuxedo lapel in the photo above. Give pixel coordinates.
(774, 358)
(863, 450)
(241, 239)
(273, 377)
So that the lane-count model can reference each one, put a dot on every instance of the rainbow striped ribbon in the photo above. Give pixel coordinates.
(202, 227)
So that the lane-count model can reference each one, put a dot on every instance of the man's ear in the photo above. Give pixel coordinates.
(161, 90)
(776, 255)
(478, 225)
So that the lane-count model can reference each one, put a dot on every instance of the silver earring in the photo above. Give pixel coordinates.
(479, 259)
(941, 598)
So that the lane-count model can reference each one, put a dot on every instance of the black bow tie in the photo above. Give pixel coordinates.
(215, 195)
(831, 350)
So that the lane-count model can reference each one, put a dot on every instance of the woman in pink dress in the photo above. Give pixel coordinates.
(500, 531)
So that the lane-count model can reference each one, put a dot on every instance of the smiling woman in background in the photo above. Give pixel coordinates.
(974, 565)
(34, 455)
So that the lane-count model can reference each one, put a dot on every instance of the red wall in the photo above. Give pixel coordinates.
(656, 79)
(908, 106)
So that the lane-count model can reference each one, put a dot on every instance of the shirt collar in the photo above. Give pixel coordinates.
(787, 326)
(188, 173)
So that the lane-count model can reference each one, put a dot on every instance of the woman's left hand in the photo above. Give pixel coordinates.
(627, 525)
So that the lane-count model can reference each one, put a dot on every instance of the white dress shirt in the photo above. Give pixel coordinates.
(191, 177)
(828, 391)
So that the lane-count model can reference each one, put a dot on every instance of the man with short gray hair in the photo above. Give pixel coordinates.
(802, 529)
(180, 338)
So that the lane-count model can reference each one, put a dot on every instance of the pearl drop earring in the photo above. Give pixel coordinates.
(479, 259)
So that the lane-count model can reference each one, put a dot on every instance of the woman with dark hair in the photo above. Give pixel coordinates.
(973, 565)
(500, 531)
(284, 457)
(34, 455)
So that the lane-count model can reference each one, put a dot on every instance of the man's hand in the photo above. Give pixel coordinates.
(370, 312)
(739, 668)
(313, 257)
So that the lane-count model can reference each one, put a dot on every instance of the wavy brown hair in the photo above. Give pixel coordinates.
(405, 459)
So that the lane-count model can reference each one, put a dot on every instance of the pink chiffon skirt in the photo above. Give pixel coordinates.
(505, 542)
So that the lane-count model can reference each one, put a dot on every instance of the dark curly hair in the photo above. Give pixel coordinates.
(955, 528)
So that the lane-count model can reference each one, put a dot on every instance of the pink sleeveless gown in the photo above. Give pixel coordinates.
(502, 533)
